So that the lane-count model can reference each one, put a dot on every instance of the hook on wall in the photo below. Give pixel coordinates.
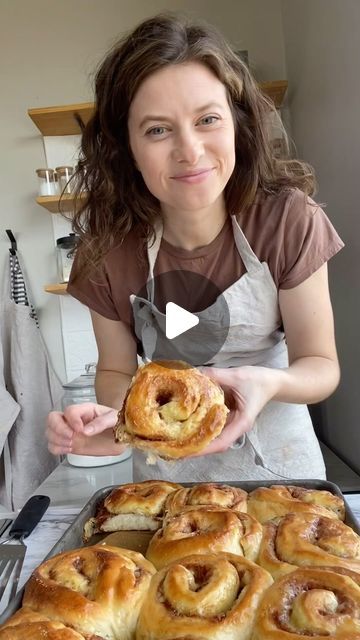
(11, 237)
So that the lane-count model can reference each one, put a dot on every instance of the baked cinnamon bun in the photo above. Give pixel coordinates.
(307, 539)
(206, 529)
(203, 596)
(171, 410)
(207, 493)
(266, 503)
(28, 625)
(133, 506)
(98, 590)
(310, 603)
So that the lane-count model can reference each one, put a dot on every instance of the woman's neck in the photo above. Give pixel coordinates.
(191, 230)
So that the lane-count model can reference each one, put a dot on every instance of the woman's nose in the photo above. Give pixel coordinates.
(188, 149)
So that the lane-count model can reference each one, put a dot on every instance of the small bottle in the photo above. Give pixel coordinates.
(64, 175)
(47, 182)
(64, 247)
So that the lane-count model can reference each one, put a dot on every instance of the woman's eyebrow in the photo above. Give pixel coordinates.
(155, 118)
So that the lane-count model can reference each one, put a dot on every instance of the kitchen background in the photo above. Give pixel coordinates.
(48, 54)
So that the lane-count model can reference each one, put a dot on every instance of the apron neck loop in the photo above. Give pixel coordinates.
(152, 252)
(250, 260)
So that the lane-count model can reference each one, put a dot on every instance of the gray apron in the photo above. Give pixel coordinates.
(34, 388)
(282, 442)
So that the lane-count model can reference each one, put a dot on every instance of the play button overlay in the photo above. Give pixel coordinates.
(178, 320)
(180, 315)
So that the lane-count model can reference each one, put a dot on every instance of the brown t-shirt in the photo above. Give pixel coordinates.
(288, 231)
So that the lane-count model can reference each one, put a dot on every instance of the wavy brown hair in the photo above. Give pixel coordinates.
(117, 198)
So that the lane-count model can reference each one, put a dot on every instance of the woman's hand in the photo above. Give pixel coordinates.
(84, 429)
(247, 390)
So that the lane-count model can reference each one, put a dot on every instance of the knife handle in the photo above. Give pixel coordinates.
(31, 513)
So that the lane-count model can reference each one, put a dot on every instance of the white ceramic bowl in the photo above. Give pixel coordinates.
(96, 461)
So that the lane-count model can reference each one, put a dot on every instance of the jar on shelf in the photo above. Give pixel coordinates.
(47, 182)
(64, 175)
(64, 248)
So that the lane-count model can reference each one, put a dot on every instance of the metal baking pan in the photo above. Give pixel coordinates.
(72, 538)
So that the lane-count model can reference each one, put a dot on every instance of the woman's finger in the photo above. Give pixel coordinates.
(237, 426)
(57, 450)
(56, 424)
(222, 376)
(90, 418)
(106, 420)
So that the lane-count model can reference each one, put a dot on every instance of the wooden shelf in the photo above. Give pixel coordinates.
(58, 204)
(62, 120)
(275, 90)
(59, 289)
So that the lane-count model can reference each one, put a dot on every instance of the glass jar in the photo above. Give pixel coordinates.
(47, 182)
(64, 248)
(64, 175)
(81, 389)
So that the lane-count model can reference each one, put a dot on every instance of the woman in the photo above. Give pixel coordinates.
(180, 174)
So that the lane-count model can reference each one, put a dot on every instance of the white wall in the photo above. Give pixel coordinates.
(322, 47)
(48, 51)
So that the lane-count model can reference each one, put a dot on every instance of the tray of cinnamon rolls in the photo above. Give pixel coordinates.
(232, 561)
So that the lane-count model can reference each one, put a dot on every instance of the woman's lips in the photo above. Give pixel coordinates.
(193, 176)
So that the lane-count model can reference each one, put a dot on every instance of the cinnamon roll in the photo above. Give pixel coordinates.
(98, 590)
(203, 596)
(171, 410)
(207, 493)
(307, 539)
(27, 625)
(133, 506)
(266, 503)
(310, 603)
(206, 529)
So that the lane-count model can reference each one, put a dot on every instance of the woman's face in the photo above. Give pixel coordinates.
(182, 136)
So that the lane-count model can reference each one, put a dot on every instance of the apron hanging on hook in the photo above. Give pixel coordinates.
(17, 283)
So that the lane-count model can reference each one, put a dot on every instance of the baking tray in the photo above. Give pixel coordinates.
(72, 538)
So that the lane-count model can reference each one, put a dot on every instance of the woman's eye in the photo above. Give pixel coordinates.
(208, 120)
(156, 131)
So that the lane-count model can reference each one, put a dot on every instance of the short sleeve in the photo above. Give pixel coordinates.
(94, 291)
(309, 240)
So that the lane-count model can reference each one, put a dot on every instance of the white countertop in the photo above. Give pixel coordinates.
(73, 486)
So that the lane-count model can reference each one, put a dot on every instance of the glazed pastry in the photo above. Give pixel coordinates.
(28, 625)
(266, 503)
(171, 410)
(95, 590)
(310, 603)
(133, 506)
(307, 539)
(209, 493)
(203, 596)
(205, 529)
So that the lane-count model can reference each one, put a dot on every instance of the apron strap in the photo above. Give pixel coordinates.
(152, 252)
(250, 260)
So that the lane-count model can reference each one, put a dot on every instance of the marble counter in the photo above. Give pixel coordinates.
(73, 486)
